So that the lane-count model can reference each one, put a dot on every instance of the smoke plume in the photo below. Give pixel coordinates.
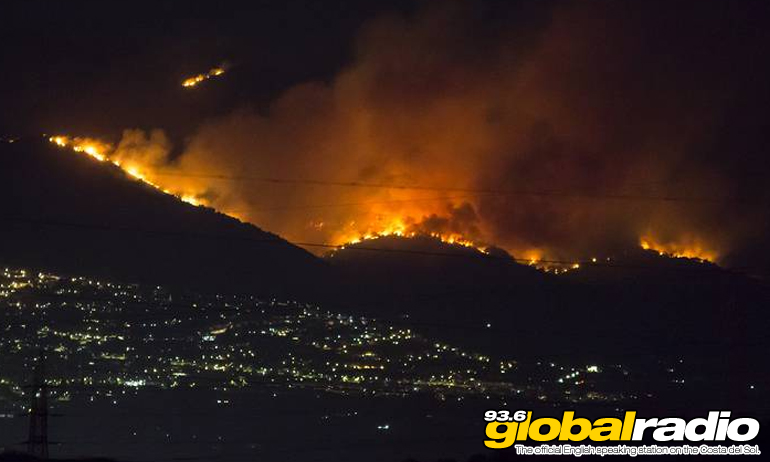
(563, 130)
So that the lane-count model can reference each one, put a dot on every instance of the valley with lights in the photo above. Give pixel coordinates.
(110, 347)
(101, 338)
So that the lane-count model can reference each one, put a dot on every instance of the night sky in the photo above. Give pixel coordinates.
(95, 67)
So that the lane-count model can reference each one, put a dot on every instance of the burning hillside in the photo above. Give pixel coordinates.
(145, 158)
(78, 211)
(105, 152)
(689, 248)
(554, 145)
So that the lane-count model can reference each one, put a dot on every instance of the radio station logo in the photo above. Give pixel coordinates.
(504, 428)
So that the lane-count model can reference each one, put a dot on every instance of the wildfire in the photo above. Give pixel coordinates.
(532, 258)
(378, 222)
(93, 148)
(197, 79)
(535, 259)
(100, 151)
(447, 239)
(688, 248)
(401, 228)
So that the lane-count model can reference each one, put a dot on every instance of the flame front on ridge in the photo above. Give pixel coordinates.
(388, 222)
(99, 151)
(691, 248)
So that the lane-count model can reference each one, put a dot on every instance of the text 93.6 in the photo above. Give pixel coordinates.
(505, 416)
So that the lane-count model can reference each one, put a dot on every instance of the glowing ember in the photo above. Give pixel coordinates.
(687, 248)
(59, 140)
(197, 79)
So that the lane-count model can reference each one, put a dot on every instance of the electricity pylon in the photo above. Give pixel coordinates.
(37, 442)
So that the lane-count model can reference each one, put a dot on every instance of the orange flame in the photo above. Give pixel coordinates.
(197, 79)
(398, 227)
(94, 148)
(688, 247)
(376, 222)
(452, 239)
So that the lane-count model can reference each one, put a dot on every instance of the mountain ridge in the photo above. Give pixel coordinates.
(71, 213)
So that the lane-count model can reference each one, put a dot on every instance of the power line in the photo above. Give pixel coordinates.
(353, 204)
(475, 191)
(463, 251)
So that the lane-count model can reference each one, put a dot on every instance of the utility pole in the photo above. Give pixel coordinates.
(37, 442)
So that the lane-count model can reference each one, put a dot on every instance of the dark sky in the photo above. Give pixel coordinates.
(101, 66)
(91, 67)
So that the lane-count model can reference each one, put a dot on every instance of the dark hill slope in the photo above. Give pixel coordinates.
(412, 275)
(637, 306)
(451, 291)
(70, 213)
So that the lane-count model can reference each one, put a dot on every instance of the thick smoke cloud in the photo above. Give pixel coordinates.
(544, 131)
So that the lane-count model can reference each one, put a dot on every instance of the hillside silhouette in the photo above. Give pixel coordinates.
(69, 213)
(636, 307)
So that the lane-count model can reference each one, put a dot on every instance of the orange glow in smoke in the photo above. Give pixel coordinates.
(686, 248)
(403, 220)
(396, 226)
